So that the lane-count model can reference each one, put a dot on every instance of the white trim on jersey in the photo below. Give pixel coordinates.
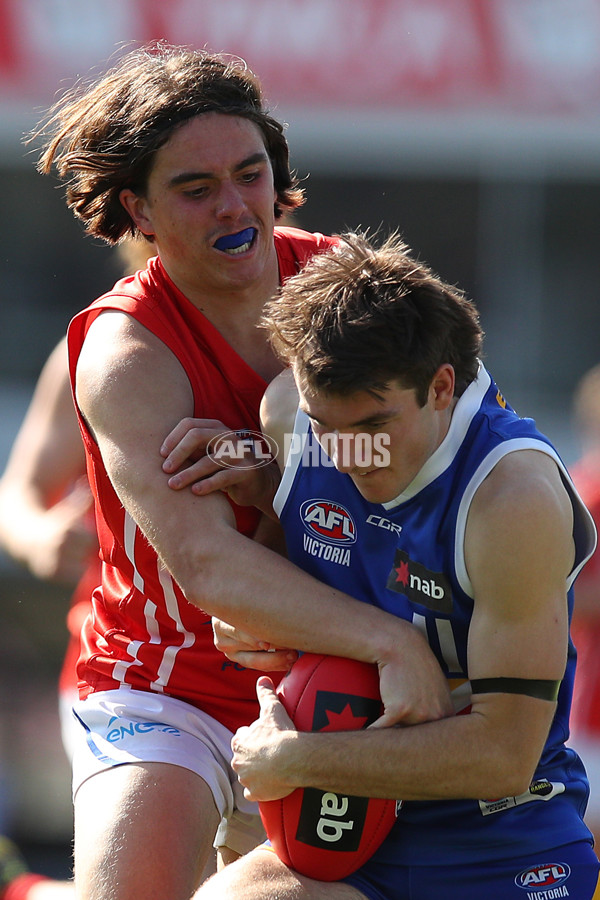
(293, 459)
(483, 470)
(462, 416)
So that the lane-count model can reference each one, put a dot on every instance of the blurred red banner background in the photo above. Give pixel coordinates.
(520, 56)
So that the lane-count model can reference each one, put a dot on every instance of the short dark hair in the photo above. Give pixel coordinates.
(359, 316)
(102, 138)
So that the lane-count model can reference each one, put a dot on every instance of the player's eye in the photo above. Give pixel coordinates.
(375, 426)
(195, 192)
(249, 177)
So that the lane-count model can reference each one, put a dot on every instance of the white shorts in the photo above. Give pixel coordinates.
(127, 726)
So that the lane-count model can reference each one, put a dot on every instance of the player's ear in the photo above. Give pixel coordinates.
(442, 386)
(136, 206)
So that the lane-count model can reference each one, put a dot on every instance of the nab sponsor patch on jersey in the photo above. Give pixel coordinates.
(430, 589)
(322, 834)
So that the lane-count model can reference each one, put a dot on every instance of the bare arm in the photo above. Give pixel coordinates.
(189, 463)
(44, 496)
(132, 392)
(519, 552)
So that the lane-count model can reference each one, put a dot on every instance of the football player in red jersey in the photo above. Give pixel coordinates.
(177, 145)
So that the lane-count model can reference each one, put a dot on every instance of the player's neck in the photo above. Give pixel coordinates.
(250, 342)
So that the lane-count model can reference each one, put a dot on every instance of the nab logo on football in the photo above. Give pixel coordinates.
(328, 521)
(317, 832)
(327, 818)
(331, 820)
(544, 877)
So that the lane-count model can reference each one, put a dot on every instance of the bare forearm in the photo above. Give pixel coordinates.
(263, 594)
(244, 583)
(54, 543)
(257, 590)
(23, 523)
(453, 758)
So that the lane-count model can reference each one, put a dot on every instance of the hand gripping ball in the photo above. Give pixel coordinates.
(320, 834)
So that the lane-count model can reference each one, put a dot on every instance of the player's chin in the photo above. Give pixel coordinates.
(374, 485)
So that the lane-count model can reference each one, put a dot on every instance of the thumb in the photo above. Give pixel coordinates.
(271, 706)
(384, 721)
(265, 691)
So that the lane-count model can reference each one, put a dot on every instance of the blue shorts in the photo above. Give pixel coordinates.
(569, 871)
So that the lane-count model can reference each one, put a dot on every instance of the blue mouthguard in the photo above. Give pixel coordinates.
(230, 241)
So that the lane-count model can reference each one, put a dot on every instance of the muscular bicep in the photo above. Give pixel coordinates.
(132, 391)
(519, 552)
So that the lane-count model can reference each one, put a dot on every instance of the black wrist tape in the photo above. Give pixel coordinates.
(541, 688)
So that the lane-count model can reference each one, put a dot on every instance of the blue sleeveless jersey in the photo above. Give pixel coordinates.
(406, 556)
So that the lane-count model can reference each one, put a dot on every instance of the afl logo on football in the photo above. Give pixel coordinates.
(545, 878)
(328, 521)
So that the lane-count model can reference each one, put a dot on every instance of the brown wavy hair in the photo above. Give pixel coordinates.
(360, 316)
(102, 138)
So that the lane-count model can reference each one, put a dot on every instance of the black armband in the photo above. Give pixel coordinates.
(541, 688)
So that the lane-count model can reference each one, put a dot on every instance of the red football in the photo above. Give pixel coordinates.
(318, 833)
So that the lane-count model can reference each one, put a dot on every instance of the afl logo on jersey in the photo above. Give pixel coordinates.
(549, 878)
(328, 521)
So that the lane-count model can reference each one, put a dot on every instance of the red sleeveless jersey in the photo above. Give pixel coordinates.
(142, 632)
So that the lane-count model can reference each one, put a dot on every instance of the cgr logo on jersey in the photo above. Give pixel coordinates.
(544, 882)
(330, 530)
(420, 585)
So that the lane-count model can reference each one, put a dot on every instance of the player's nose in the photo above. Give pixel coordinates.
(229, 201)
(343, 453)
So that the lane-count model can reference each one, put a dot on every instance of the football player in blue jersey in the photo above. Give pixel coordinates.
(468, 526)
